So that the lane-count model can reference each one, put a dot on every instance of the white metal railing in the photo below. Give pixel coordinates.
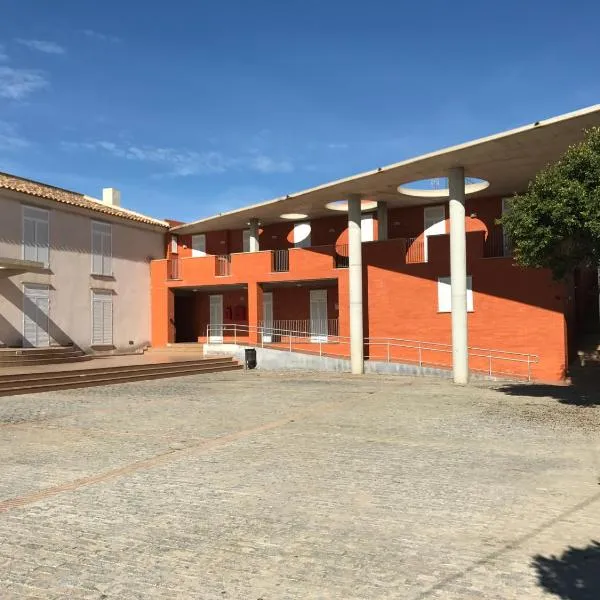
(483, 360)
(308, 327)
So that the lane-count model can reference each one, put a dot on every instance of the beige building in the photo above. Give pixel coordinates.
(74, 269)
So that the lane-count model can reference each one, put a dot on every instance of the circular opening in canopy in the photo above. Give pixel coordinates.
(293, 216)
(437, 187)
(342, 205)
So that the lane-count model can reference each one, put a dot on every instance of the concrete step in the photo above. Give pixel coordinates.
(50, 360)
(74, 380)
(113, 370)
(177, 348)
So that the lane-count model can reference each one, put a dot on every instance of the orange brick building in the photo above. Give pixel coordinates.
(278, 272)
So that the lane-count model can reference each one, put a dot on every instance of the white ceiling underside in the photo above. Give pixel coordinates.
(507, 160)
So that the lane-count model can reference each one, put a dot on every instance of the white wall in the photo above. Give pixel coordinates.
(70, 277)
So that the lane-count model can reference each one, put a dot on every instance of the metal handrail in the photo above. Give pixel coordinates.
(298, 336)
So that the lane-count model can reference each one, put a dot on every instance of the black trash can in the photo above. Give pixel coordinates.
(250, 357)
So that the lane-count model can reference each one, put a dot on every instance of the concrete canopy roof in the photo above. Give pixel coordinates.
(508, 160)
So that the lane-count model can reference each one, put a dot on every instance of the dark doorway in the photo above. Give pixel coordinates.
(186, 317)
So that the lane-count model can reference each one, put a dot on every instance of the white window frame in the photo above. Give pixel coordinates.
(40, 217)
(444, 290)
(195, 239)
(104, 230)
(107, 296)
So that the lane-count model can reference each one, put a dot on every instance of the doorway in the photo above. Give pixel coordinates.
(216, 319)
(318, 315)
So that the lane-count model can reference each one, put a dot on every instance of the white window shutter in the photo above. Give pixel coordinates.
(101, 248)
(42, 241)
(107, 252)
(29, 246)
(102, 319)
(107, 322)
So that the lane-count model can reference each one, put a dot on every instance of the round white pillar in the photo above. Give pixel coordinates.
(254, 233)
(458, 275)
(382, 220)
(356, 285)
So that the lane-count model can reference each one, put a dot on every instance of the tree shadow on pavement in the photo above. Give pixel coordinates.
(575, 575)
(584, 390)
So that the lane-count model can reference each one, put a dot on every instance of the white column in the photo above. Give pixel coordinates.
(382, 220)
(254, 232)
(458, 275)
(356, 285)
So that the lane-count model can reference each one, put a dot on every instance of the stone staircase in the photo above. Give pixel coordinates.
(108, 371)
(51, 355)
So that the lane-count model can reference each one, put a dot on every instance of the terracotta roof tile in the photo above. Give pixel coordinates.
(48, 192)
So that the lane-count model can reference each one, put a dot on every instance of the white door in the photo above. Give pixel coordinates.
(434, 218)
(366, 229)
(267, 335)
(102, 318)
(318, 315)
(246, 240)
(302, 235)
(216, 319)
(36, 306)
(199, 245)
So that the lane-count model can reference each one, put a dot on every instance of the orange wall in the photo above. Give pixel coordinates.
(517, 310)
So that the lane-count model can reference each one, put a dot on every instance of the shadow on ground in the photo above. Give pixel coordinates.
(584, 389)
(575, 575)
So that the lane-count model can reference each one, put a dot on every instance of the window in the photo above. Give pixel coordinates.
(445, 294)
(302, 235)
(101, 248)
(102, 318)
(36, 234)
(199, 245)
(174, 244)
(246, 240)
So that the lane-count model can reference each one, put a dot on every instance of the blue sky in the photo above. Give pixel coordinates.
(196, 107)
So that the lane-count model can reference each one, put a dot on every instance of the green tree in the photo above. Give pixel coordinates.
(555, 224)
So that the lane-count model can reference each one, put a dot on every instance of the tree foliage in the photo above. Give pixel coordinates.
(556, 223)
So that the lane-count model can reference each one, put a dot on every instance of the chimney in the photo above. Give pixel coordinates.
(111, 196)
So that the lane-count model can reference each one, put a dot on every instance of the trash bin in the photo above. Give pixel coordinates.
(250, 357)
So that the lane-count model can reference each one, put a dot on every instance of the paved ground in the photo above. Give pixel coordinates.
(250, 485)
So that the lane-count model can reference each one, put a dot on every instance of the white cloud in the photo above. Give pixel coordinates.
(102, 37)
(337, 146)
(42, 46)
(266, 164)
(3, 55)
(184, 163)
(18, 83)
(10, 138)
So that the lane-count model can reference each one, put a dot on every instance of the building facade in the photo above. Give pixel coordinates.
(74, 270)
(422, 276)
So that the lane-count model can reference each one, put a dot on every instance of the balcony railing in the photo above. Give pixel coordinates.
(222, 265)
(496, 244)
(415, 250)
(341, 258)
(173, 270)
(280, 261)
